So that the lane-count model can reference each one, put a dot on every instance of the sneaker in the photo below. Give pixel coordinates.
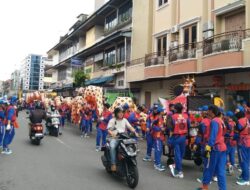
(98, 149)
(181, 175)
(199, 180)
(147, 159)
(243, 182)
(230, 169)
(7, 151)
(239, 178)
(172, 169)
(159, 168)
(215, 179)
(163, 166)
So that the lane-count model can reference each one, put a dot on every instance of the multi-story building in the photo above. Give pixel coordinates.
(208, 39)
(15, 82)
(102, 41)
(32, 72)
(6, 87)
(1, 89)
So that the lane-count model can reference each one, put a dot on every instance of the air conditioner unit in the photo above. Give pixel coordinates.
(208, 26)
(175, 29)
(208, 34)
(174, 44)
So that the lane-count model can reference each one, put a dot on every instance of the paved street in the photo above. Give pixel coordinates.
(69, 162)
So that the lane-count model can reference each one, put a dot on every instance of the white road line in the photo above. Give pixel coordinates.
(60, 141)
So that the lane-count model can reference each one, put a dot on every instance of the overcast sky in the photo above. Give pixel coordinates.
(34, 26)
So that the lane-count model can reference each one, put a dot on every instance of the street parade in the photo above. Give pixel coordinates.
(125, 94)
(215, 139)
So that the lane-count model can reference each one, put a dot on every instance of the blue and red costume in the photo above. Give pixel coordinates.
(63, 112)
(86, 117)
(181, 124)
(134, 120)
(2, 126)
(102, 131)
(217, 159)
(158, 137)
(244, 146)
(10, 116)
(230, 142)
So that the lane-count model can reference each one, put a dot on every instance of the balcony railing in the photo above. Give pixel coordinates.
(229, 41)
(225, 42)
(156, 58)
(119, 25)
(185, 51)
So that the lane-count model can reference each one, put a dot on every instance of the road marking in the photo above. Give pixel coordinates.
(60, 141)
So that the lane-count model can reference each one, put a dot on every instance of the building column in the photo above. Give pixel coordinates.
(125, 64)
(247, 7)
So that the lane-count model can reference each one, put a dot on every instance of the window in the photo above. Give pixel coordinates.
(88, 70)
(62, 74)
(109, 57)
(111, 21)
(121, 83)
(162, 46)
(162, 2)
(190, 37)
(125, 12)
(121, 53)
(47, 75)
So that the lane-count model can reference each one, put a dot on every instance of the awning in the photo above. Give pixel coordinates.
(100, 80)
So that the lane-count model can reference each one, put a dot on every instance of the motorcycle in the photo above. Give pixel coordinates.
(53, 124)
(36, 133)
(126, 159)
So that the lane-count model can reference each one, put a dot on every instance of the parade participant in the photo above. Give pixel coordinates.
(134, 119)
(93, 117)
(102, 127)
(215, 151)
(151, 117)
(246, 110)
(202, 139)
(244, 145)
(63, 109)
(2, 127)
(230, 142)
(126, 111)
(158, 136)
(85, 118)
(117, 125)
(180, 123)
(11, 124)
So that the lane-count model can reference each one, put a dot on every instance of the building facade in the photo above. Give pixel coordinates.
(102, 42)
(15, 83)
(32, 72)
(207, 39)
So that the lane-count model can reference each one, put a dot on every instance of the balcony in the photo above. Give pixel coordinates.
(119, 25)
(224, 50)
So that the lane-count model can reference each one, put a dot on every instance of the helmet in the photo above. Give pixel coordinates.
(38, 105)
(117, 111)
(13, 100)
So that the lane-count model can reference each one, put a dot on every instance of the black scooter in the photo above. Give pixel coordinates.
(125, 159)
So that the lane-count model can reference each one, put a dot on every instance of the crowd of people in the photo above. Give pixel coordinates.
(220, 135)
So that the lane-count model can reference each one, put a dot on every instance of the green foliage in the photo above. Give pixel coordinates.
(79, 78)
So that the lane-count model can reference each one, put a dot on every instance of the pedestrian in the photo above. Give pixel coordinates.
(215, 151)
(181, 124)
(63, 112)
(158, 129)
(2, 126)
(244, 145)
(230, 142)
(11, 124)
(149, 138)
(85, 119)
(102, 124)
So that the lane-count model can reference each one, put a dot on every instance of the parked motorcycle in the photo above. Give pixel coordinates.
(36, 133)
(126, 159)
(53, 124)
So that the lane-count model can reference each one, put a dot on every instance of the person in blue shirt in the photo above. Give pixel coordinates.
(2, 127)
(179, 132)
(10, 119)
(215, 151)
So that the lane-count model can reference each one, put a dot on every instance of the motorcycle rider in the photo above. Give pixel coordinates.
(117, 125)
(37, 115)
(52, 111)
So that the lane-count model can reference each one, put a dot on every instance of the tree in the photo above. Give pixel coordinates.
(79, 78)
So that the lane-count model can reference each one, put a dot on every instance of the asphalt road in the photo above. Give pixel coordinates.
(69, 162)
